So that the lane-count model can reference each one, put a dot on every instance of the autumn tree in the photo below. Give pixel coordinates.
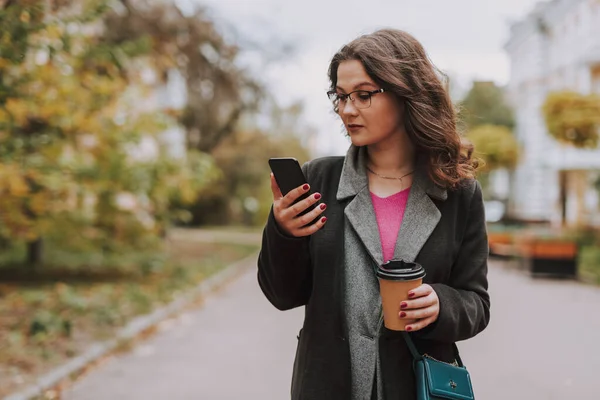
(71, 125)
(243, 194)
(485, 104)
(219, 92)
(496, 145)
(222, 100)
(488, 122)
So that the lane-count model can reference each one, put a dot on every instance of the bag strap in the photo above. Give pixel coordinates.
(458, 355)
(411, 346)
(417, 356)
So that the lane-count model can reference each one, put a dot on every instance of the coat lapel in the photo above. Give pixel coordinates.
(362, 217)
(359, 211)
(421, 216)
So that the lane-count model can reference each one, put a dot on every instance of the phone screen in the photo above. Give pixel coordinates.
(288, 173)
(289, 176)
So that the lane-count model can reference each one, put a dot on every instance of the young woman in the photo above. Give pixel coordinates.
(405, 190)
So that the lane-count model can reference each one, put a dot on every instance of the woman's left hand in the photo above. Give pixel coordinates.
(423, 305)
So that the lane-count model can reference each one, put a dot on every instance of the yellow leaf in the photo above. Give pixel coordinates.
(39, 203)
(25, 17)
(18, 109)
(17, 186)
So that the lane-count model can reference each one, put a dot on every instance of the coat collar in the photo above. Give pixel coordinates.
(420, 216)
(354, 177)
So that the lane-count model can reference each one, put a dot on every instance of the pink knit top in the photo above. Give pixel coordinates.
(389, 212)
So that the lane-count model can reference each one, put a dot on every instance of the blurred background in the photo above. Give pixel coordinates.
(134, 138)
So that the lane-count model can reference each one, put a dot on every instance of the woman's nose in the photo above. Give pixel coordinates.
(348, 108)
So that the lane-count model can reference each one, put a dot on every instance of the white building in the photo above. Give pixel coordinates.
(556, 47)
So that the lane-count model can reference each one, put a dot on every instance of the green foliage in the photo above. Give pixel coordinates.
(48, 323)
(485, 105)
(243, 195)
(496, 145)
(71, 134)
(589, 263)
(43, 324)
(573, 118)
(489, 121)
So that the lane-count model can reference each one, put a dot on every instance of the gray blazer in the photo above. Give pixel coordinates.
(344, 352)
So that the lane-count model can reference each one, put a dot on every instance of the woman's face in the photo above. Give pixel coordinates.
(378, 123)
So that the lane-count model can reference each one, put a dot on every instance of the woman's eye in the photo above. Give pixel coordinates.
(363, 96)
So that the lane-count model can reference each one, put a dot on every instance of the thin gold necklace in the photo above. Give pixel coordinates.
(388, 177)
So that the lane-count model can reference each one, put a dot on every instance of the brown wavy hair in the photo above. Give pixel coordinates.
(397, 62)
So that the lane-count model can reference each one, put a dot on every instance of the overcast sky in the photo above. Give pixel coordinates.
(464, 38)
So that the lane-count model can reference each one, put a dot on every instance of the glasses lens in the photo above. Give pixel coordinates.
(362, 99)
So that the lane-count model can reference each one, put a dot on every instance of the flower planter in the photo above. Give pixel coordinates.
(556, 257)
(500, 244)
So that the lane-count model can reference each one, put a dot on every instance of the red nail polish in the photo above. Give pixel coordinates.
(408, 328)
(324, 219)
(411, 295)
(305, 187)
(402, 314)
(403, 305)
(323, 206)
(317, 196)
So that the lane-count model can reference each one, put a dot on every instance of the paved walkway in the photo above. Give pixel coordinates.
(237, 346)
(217, 236)
(543, 343)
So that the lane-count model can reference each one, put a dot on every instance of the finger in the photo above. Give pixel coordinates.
(311, 216)
(420, 302)
(420, 291)
(299, 207)
(420, 313)
(420, 324)
(309, 230)
(289, 198)
(275, 188)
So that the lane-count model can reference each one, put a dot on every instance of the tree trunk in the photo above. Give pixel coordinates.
(563, 182)
(35, 253)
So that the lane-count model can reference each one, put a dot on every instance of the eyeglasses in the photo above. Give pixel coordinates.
(360, 98)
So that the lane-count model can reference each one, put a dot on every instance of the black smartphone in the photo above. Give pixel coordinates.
(288, 173)
(289, 176)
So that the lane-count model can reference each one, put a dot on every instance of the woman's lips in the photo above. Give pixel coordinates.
(354, 127)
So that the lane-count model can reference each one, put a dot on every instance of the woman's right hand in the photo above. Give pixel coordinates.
(286, 212)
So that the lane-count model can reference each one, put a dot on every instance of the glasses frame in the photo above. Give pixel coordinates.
(371, 93)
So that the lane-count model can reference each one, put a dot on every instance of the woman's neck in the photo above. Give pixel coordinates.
(397, 158)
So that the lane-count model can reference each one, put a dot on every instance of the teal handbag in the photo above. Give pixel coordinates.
(437, 380)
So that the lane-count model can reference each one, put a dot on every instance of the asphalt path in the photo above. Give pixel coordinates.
(543, 342)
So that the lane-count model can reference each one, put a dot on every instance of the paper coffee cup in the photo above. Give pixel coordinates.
(396, 279)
